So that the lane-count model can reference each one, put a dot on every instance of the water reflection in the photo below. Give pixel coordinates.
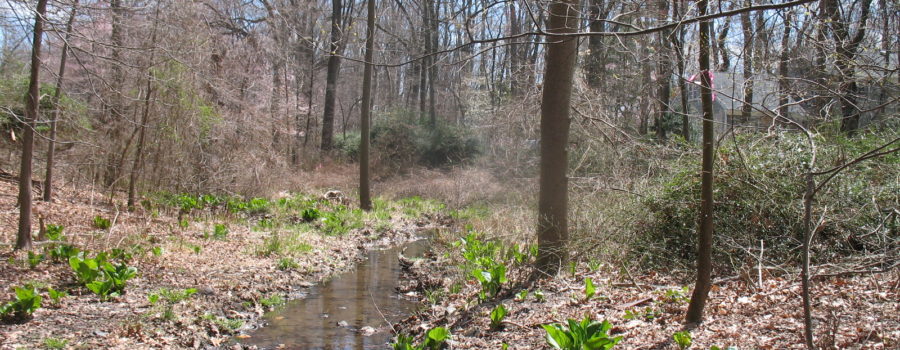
(333, 314)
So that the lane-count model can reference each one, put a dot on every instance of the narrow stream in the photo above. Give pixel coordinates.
(335, 314)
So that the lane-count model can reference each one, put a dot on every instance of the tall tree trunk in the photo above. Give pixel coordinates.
(116, 103)
(32, 105)
(747, 28)
(334, 69)
(553, 197)
(365, 200)
(594, 65)
(663, 72)
(145, 116)
(783, 82)
(678, 44)
(704, 251)
(51, 144)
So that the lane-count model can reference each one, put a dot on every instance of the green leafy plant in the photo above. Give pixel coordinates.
(120, 255)
(34, 259)
(310, 214)
(539, 296)
(589, 289)
(584, 335)
(55, 232)
(434, 340)
(678, 296)
(491, 280)
(287, 263)
(55, 343)
(184, 223)
(101, 277)
(171, 296)
(220, 231)
(86, 269)
(682, 339)
(647, 314)
(271, 301)
(63, 252)
(102, 223)
(26, 301)
(56, 296)
(497, 316)
(522, 295)
(157, 251)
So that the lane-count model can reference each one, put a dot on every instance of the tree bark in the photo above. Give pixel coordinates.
(32, 106)
(594, 66)
(334, 69)
(365, 200)
(664, 73)
(747, 28)
(57, 95)
(704, 251)
(555, 103)
(783, 82)
(678, 44)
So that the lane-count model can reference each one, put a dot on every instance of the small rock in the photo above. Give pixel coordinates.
(100, 333)
(343, 324)
(366, 331)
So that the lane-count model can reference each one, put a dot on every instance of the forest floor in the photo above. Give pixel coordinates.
(266, 259)
(854, 312)
(261, 261)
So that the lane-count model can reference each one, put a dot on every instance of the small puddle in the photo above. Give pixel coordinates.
(334, 314)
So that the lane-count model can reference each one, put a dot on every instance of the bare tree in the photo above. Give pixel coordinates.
(145, 117)
(365, 200)
(57, 94)
(704, 251)
(847, 47)
(32, 106)
(553, 197)
(334, 69)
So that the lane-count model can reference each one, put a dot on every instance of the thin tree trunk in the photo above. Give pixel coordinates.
(51, 144)
(32, 106)
(365, 200)
(704, 251)
(804, 273)
(553, 196)
(145, 116)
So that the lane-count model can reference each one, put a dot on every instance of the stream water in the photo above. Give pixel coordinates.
(335, 314)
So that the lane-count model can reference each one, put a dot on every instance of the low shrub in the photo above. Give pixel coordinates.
(759, 191)
(398, 141)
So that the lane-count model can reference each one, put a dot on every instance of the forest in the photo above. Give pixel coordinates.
(449, 174)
